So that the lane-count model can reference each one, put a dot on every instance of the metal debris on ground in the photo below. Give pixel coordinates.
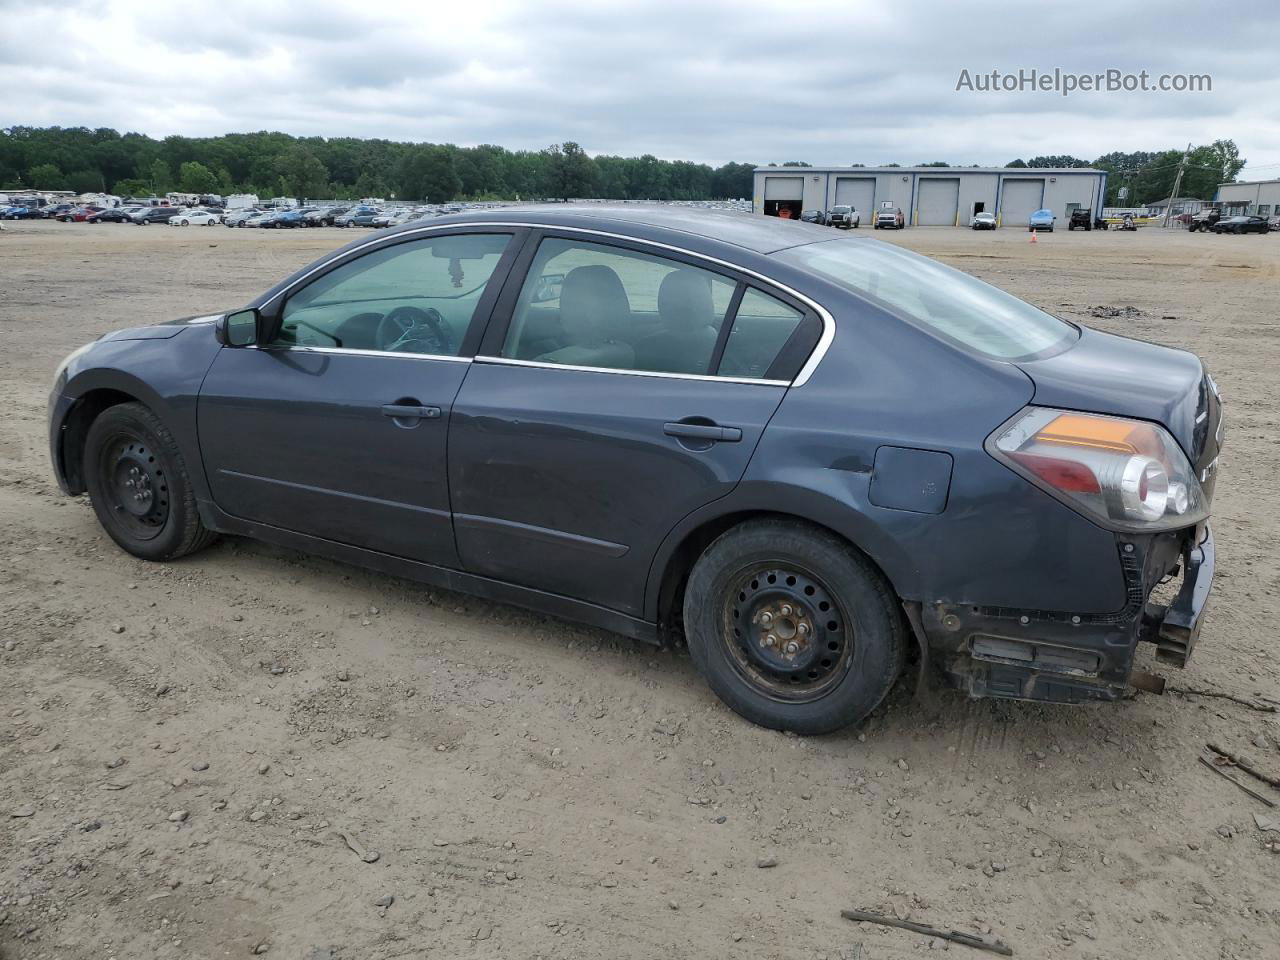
(955, 936)
(1216, 764)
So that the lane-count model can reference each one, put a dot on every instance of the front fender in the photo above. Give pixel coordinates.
(162, 373)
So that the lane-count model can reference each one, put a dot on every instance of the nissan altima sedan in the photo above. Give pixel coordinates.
(809, 457)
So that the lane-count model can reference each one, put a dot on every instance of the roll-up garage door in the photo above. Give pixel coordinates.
(937, 201)
(784, 188)
(1019, 199)
(859, 193)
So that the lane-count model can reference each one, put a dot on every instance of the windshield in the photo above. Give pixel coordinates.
(961, 308)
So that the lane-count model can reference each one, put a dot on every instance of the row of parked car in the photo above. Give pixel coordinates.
(358, 215)
(1212, 221)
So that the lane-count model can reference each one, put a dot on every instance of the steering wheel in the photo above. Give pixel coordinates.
(414, 330)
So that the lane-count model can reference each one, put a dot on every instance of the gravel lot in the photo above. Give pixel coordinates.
(183, 746)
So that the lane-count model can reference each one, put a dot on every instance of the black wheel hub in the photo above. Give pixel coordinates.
(136, 487)
(787, 633)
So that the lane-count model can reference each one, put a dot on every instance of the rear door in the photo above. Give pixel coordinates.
(617, 390)
(338, 428)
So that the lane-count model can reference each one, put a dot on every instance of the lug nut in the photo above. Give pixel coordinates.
(791, 647)
(771, 641)
(766, 618)
(786, 610)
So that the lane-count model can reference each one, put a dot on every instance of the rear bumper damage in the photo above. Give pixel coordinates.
(1076, 658)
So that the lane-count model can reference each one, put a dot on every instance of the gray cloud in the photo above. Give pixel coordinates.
(834, 82)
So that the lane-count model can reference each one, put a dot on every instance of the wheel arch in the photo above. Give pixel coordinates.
(75, 430)
(680, 550)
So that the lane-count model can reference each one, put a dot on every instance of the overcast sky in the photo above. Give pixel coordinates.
(850, 81)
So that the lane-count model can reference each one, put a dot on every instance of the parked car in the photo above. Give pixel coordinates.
(344, 219)
(813, 216)
(201, 218)
(889, 219)
(109, 215)
(322, 216)
(983, 221)
(78, 214)
(1274, 223)
(1242, 224)
(1041, 220)
(844, 216)
(237, 218)
(58, 211)
(1080, 219)
(149, 215)
(1204, 220)
(363, 218)
(799, 512)
(258, 218)
(283, 219)
(23, 211)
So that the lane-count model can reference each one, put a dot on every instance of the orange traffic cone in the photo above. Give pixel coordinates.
(1033, 237)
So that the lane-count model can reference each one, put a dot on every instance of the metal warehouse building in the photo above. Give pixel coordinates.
(1261, 197)
(931, 196)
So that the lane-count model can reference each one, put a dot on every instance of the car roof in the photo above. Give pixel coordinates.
(747, 230)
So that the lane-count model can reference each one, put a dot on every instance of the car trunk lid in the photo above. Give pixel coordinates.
(1109, 374)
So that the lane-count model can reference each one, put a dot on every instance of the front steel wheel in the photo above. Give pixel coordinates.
(139, 486)
(792, 627)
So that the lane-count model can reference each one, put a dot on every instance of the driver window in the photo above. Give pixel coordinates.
(415, 297)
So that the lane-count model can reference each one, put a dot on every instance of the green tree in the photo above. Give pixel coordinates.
(427, 172)
(567, 171)
(131, 187)
(1063, 160)
(1015, 164)
(160, 176)
(85, 181)
(301, 173)
(45, 176)
(195, 177)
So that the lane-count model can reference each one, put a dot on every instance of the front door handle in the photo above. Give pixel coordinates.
(703, 431)
(406, 411)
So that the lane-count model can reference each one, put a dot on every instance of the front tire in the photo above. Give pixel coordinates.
(793, 628)
(139, 485)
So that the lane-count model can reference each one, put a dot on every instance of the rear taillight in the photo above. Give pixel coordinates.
(1126, 474)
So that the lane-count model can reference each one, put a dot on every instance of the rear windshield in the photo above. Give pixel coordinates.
(961, 308)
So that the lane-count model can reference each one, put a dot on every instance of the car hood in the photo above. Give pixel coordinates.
(159, 331)
(1109, 374)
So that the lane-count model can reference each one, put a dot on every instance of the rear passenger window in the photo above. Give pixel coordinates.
(592, 305)
(761, 329)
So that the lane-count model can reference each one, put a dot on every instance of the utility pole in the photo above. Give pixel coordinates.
(1177, 184)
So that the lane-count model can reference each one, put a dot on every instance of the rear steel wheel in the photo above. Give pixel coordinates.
(785, 632)
(792, 627)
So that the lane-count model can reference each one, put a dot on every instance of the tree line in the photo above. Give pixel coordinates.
(270, 164)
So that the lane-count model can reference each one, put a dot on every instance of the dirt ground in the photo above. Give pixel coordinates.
(182, 746)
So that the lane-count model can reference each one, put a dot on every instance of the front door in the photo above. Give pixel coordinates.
(626, 391)
(338, 429)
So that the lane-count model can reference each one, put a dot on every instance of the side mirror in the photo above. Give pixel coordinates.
(238, 329)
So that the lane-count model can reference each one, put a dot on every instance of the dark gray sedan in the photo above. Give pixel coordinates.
(811, 458)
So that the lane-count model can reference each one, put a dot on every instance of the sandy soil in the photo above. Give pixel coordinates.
(183, 745)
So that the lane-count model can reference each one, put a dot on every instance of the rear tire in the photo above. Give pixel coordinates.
(139, 485)
(792, 628)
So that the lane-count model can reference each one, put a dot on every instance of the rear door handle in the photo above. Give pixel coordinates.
(404, 411)
(702, 431)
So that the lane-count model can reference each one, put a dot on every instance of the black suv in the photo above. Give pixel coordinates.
(1080, 218)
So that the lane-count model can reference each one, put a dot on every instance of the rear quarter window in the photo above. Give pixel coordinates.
(949, 302)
